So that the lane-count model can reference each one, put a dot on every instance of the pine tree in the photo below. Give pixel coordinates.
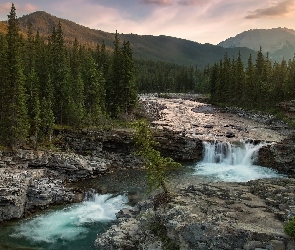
(94, 87)
(104, 60)
(77, 87)
(46, 110)
(4, 88)
(34, 107)
(238, 80)
(155, 164)
(290, 84)
(15, 126)
(60, 73)
(127, 80)
(114, 87)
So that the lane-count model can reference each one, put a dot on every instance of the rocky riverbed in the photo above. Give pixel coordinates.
(210, 216)
(215, 216)
(195, 119)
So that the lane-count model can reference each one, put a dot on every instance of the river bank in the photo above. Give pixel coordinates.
(215, 216)
(248, 215)
(34, 180)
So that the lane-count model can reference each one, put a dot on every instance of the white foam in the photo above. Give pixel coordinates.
(232, 163)
(69, 223)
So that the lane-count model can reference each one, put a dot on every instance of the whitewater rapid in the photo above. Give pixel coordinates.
(223, 161)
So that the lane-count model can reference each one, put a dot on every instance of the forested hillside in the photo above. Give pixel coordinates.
(147, 47)
(45, 83)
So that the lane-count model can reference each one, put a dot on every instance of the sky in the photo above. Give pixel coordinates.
(203, 21)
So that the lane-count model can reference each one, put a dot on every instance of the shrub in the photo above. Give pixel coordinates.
(289, 228)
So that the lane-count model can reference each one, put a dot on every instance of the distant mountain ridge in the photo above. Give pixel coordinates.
(157, 48)
(278, 42)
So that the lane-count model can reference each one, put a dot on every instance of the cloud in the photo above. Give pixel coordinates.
(20, 8)
(191, 2)
(174, 2)
(277, 10)
(158, 2)
(29, 8)
(5, 8)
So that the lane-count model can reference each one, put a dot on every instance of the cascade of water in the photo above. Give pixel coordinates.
(72, 223)
(226, 153)
(223, 161)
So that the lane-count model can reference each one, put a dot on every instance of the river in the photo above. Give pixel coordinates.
(75, 226)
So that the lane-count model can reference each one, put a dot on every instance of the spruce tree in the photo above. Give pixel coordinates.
(77, 87)
(129, 98)
(114, 87)
(35, 108)
(46, 110)
(60, 73)
(94, 90)
(15, 125)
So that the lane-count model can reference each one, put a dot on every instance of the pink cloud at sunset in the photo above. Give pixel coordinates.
(280, 9)
(22, 8)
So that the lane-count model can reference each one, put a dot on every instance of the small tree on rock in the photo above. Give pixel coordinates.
(155, 164)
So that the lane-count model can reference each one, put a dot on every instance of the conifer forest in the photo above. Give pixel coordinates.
(47, 83)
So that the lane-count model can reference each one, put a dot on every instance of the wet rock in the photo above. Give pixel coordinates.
(209, 216)
(280, 155)
(229, 134)
(178, 147)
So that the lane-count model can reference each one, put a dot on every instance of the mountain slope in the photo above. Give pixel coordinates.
(159, 48)
(279, 42)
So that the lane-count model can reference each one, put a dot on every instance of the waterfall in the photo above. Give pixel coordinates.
(70, 227)
(223, 161)
(226, 153)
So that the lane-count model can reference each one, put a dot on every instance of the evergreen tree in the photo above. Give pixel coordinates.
(46, 111)
(77, 88)
(60, 73)
(290, 84)
(94, 87)
(127, 80)
(238, 80)
(34, 107)
(15, 125)
(114, 88)
(3, 79)
(104, 60)
(155, 164)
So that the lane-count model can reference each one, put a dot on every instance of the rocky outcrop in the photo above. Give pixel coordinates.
(67, 166)
(33, 180)
(178, 146)
(209, 216)
(280, 156)
(24, 191)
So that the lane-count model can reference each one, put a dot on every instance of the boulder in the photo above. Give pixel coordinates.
(279, 156)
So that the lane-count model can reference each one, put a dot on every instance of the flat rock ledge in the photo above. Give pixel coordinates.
(33, 180)
(248, 216)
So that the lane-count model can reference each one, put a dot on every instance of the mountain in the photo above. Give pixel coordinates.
(278, 42)
(157, 48)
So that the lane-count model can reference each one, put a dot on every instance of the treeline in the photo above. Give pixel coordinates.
(260, 85)
(157, 76)
(44, 83)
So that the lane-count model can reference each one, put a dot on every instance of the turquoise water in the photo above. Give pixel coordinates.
(72, 227)
(75, 227)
